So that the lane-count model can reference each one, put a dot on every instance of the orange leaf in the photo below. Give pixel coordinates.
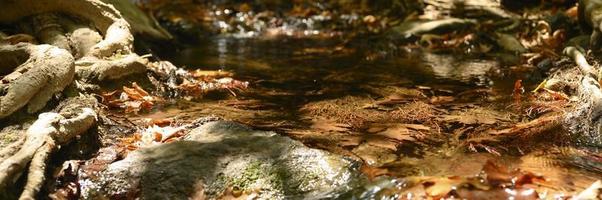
(157, 137)
(132, 93)
(139, 89)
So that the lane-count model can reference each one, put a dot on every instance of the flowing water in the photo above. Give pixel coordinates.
(292, 78)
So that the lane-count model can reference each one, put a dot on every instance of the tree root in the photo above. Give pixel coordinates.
(34, 73)
(584, 122)
(42, 138)
(104, 17)
(40, 71)
(97, 48)
(91, 68)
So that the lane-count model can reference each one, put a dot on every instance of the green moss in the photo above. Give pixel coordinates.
(274, 177)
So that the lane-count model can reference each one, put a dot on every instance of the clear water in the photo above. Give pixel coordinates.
(288, 74)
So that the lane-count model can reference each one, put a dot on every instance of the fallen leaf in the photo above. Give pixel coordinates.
(418, 127)
(441, 99)
(373, 172)
(397, 132)
(329, 126)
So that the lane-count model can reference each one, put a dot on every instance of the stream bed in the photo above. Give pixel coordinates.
(411, 113)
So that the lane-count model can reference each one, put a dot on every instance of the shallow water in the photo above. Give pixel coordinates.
(288, 75)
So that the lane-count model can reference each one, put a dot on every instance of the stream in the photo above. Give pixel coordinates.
(323, 93)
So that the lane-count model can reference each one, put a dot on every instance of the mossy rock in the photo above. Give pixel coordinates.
(221, 155)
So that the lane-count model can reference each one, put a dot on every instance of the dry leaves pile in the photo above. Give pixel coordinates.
(131, 99)
(193, 83)
(197, 88)
(159, 132)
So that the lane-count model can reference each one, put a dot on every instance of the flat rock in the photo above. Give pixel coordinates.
(226, 158)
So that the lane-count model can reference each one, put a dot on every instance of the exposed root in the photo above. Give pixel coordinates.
(38, 72)
(91, 68)
(104, 16)
(117, 39)
(585, 120)
(37, 169)
(49, 131)
(34, 73)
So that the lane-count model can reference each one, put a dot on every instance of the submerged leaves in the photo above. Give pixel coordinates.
(494, 182)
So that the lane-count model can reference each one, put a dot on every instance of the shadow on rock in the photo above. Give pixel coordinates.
(225, 157)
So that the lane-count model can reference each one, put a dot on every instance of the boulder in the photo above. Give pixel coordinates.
(224, 158)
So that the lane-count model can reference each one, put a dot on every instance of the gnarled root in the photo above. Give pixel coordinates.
(43, 137)
(111, 48)
(91, 68)
(104, 17)
(38, 72)
(586, 119)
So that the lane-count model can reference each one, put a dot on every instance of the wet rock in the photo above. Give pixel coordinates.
(226, 158)
(509, 43)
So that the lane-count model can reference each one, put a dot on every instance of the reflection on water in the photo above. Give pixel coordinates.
(450, 67)
(288, 75)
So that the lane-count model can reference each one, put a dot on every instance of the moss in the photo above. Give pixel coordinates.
(277, 177)
(256, 171)
(249, 176)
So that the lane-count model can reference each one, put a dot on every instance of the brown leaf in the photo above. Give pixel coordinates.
(139, 90)
(157, 137)
(498, 193)
(500, 176)
(350, 140)
(161, 122)
(330, 126)
(418, 127)
(383, 142)
(442, 99)
(210, 74)
(373, 172)
(132, 93)
(518, 91)
(398, 132)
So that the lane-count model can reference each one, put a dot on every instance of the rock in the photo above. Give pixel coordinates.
(222, 156)
(590, 18)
